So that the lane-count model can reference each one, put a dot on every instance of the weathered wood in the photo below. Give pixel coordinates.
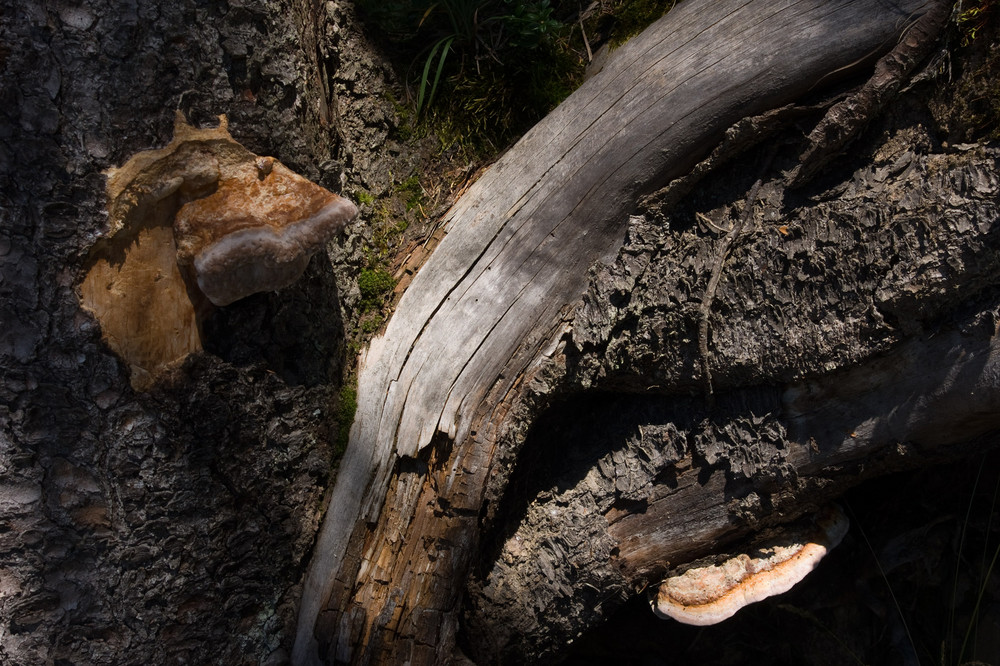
(612, 489)
(402, 520)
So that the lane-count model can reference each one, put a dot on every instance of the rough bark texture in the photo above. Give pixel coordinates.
(897, 242)
(442, 392)
(666, 481)
(174, 526)
(171, 526)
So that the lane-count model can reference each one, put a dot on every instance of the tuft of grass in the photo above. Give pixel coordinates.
(463, 56)
(985, 575)
(973, 19)
(498, 106)
(481, 72)
(634, 16)
(939, 573)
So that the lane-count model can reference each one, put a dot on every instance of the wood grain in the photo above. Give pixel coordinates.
(518, 249)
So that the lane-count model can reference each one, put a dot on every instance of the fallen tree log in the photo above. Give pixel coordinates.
(435, 436)
(174, 525)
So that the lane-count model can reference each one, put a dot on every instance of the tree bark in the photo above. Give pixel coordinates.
(168, 526)
(175, 524)
(487, 334)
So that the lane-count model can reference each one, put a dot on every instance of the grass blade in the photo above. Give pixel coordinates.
(437, 75)
(426, 74)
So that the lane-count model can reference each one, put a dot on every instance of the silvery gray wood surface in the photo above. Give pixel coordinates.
(521, 240)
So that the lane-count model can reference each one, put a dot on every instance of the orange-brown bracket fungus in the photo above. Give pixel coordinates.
(200, 221)
(257, 231)
(703, 595)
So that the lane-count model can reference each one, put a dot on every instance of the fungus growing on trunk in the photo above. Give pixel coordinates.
(703, 595)
(200, 222)
(257, 231)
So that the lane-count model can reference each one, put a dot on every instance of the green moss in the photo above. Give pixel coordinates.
(407, 128)
(364, 198)
(370, 324)
(634, 16)
(411, 191)
(347, 406)
(374, 285)
(386, 228)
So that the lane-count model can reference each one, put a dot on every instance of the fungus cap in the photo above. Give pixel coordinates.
(710, 594)
(202, 214)
(257, 231)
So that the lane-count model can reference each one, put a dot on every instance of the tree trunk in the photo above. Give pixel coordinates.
(489, 333)
(544, 452)
(174, 525)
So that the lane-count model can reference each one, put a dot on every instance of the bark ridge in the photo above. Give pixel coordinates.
(493, 296)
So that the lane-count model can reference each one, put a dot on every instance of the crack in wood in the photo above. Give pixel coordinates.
(629, 129)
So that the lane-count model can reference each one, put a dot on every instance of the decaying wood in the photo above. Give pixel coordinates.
(386, 578)
(846, 119)
(614, 488)
(713, 283)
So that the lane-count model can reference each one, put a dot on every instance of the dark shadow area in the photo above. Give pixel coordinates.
(914, 581)
(567, 441)
(580, 433)
(297, 333)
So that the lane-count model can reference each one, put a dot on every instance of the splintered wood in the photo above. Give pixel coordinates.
(435, 388)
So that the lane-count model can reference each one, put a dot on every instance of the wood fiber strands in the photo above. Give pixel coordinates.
(517, 252)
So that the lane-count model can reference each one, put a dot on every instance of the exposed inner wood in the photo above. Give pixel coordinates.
(136, 291)
(385, 579)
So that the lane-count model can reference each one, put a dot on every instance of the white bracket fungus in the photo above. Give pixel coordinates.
(703, 595)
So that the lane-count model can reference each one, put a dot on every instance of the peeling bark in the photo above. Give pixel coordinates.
(446, 393)
(176, 525)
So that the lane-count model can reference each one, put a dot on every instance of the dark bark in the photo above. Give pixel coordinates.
(174, 525)
(171, 526)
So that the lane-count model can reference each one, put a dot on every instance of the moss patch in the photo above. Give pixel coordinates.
(347, 406)
(374, 285)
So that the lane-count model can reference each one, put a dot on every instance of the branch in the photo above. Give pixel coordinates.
(468, 335)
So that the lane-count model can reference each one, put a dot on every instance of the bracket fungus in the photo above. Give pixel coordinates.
(257, 231)
(703, 595)
(201, 222)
